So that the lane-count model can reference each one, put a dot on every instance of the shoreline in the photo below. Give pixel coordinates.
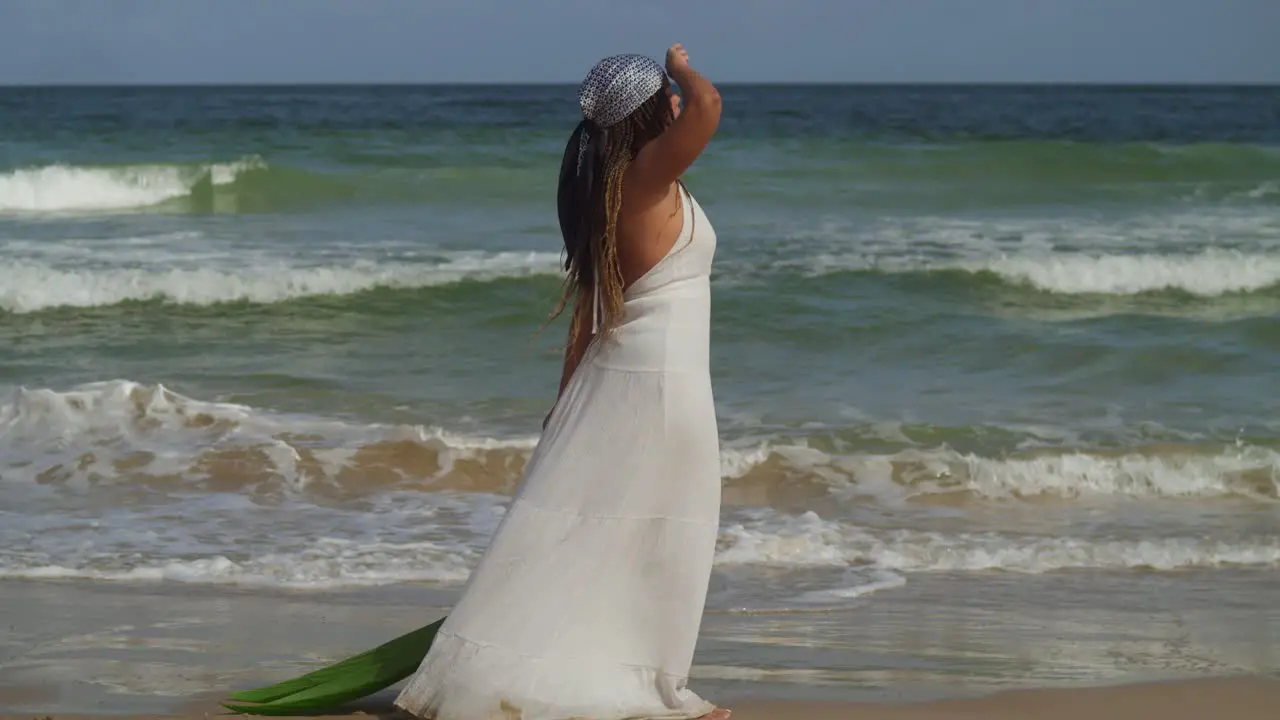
(941, 646)
(1231, 698)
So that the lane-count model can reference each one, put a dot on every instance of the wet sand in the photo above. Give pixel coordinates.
(939, 648)
(1245, 698)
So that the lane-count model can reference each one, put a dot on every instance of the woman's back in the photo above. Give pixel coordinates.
(648, 234)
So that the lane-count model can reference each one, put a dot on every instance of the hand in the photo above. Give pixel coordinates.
(677, 58)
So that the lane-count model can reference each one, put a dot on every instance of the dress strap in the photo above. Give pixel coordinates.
(690, 217)
(595, 307)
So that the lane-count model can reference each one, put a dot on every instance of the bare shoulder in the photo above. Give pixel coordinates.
(661, 163)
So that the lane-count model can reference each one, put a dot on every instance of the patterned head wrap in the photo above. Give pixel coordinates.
(616, 87)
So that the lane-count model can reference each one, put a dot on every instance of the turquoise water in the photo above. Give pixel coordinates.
(961, 329)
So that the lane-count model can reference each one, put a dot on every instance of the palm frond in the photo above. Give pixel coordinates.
(342, 682)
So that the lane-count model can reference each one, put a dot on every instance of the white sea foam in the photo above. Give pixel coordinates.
(1243, 469)
(808, 540)
(1207, 274)
(83, 435)
(69, 188)
(437, 537)
(1162, 472)
(949, 238)
(231, 539)
(29, 287)
(864, 582)
(122, 481)
(1207, 254)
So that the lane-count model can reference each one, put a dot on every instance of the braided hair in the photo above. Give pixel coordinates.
(589, 198)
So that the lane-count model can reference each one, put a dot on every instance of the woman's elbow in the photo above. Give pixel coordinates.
(707, 105)
(710, 99)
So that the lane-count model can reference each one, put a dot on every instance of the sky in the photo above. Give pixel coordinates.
(426, 41)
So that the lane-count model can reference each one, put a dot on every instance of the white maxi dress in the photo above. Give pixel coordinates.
(588, 601)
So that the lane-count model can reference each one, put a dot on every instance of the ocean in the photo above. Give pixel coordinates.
(289, 339)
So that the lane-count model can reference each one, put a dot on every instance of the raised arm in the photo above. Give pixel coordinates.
(664, 160)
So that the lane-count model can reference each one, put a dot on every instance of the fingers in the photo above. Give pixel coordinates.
(677, 53)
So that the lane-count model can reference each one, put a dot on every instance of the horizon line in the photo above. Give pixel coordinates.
(724, 83)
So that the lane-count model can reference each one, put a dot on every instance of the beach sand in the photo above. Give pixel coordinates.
(1244, 698)
(93, 649)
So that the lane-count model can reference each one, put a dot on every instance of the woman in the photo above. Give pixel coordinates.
(588, 601)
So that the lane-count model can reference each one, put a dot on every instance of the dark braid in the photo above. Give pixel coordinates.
(589, 202)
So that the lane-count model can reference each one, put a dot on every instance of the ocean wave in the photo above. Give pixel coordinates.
(1241, 470)
(986, 172)
(231, 539)
(29, 287)
(1209, 273)
(329, 564)
(807, 540)
(70, 188)
(438, 538)
(132, 434)
(252, 185)
(129, 482)
(129, 433)
(1065, 473)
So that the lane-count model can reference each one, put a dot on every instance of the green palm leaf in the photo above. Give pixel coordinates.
(342, 682)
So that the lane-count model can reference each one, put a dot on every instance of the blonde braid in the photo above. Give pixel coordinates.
(595, 263)
(608, 271)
